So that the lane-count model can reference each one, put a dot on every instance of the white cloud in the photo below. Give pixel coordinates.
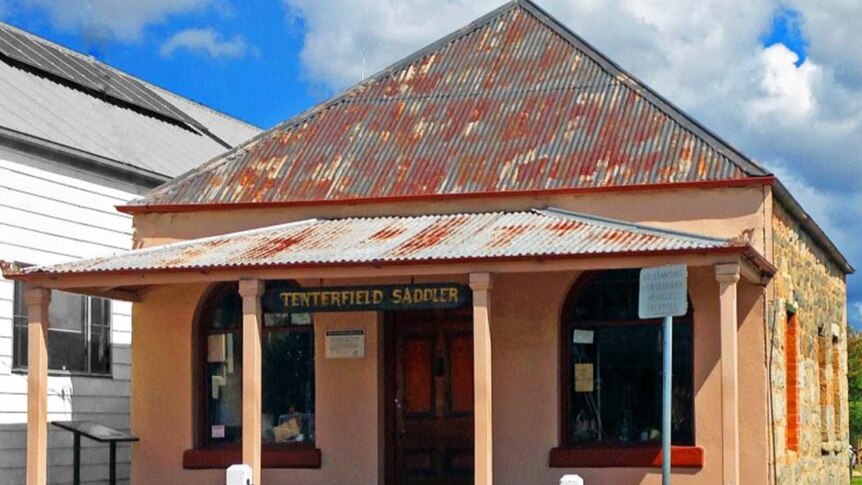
(787, 89)
(209, 42)
(102, 20)
(804, 122)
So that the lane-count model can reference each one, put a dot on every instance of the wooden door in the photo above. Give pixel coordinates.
(431, 405)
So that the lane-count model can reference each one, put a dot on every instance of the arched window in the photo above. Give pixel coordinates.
(611, 367)
(288, 369)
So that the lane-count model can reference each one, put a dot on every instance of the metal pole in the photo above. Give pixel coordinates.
(112, 477)
(76, 460)
(667, 379)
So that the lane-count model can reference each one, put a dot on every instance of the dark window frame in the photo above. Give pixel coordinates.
(208, 454)
(20, 323)
(567, 324)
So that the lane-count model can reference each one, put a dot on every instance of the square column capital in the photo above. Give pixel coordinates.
(727, 274)
(37, 297)
(481, 281)
(251, 288)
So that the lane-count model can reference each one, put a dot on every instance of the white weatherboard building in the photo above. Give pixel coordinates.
(76, 139)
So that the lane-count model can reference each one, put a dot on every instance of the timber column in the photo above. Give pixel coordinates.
(37, 300)
(252, 364)
(727, 276)
(480, 283)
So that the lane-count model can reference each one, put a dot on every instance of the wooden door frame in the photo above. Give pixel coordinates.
(390, 419)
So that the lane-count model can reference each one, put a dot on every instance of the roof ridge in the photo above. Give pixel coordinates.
(626, 80)
(212, 110)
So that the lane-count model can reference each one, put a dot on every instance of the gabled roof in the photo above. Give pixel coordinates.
(513, 102)
(493, 236)
(58, 97)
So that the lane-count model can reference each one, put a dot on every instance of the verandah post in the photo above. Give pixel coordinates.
(37, 300)
(480, 283)
(252, 392)
(727, 276)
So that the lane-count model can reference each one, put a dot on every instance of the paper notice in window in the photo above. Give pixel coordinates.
(583, 336)
(217, 431)
(583, 377)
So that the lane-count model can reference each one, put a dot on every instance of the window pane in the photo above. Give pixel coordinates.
(66, 312)
(100, 349)
(20, 343)
(288, 387)
(616, 384)
(612, 295)
(20, 306)
(224, 377)
(100, 311)
(67, 351)
(228, 311)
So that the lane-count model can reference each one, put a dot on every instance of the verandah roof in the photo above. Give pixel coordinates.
(492, 236)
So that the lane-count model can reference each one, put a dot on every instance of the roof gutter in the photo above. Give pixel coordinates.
(80, 159)
(808, 225)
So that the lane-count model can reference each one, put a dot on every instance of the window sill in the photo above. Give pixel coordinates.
(271, 457)
(64, 373)
(628, 457)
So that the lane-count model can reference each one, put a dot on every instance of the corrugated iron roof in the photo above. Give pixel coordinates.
(55, 100)
(514, 102)
(380, 240)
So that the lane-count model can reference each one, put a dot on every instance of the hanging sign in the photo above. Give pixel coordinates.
(371, 298)
(663, 292)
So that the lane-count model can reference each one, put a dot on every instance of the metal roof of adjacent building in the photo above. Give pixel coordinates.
(58, 96)
(513, 102)
(550, 233)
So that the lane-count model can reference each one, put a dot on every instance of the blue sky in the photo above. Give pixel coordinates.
(780, 79)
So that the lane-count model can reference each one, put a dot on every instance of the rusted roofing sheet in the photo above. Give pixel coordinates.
(513, 102)
(381, 240)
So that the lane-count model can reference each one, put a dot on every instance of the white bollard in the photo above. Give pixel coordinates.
(238, 475)
(571, 480)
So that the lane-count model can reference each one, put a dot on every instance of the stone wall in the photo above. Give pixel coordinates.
(810, 289)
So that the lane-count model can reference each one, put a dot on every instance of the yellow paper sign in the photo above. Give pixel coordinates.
(583, 377)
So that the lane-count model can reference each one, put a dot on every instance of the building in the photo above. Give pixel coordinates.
(77, 138)
(432, 278)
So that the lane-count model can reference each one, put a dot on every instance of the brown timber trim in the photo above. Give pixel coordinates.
(201, 207)
(271, 457)
(626, 457)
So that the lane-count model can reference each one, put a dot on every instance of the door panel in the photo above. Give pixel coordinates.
(432, 405)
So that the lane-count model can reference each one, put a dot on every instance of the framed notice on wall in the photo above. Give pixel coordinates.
(345, 344)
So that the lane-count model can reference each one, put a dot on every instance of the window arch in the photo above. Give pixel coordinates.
(288, 407)
(611, 366)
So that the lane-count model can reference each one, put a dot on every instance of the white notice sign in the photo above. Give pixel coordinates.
(345, 344)
(663, 292)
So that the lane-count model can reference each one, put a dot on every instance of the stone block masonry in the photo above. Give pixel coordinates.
(808, 298)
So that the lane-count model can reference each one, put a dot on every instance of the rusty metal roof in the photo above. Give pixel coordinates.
(513, 102)
(532, 234)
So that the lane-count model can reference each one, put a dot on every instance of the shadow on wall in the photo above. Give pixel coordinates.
(104, 400)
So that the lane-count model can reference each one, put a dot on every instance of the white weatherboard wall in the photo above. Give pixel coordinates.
(50, 213)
